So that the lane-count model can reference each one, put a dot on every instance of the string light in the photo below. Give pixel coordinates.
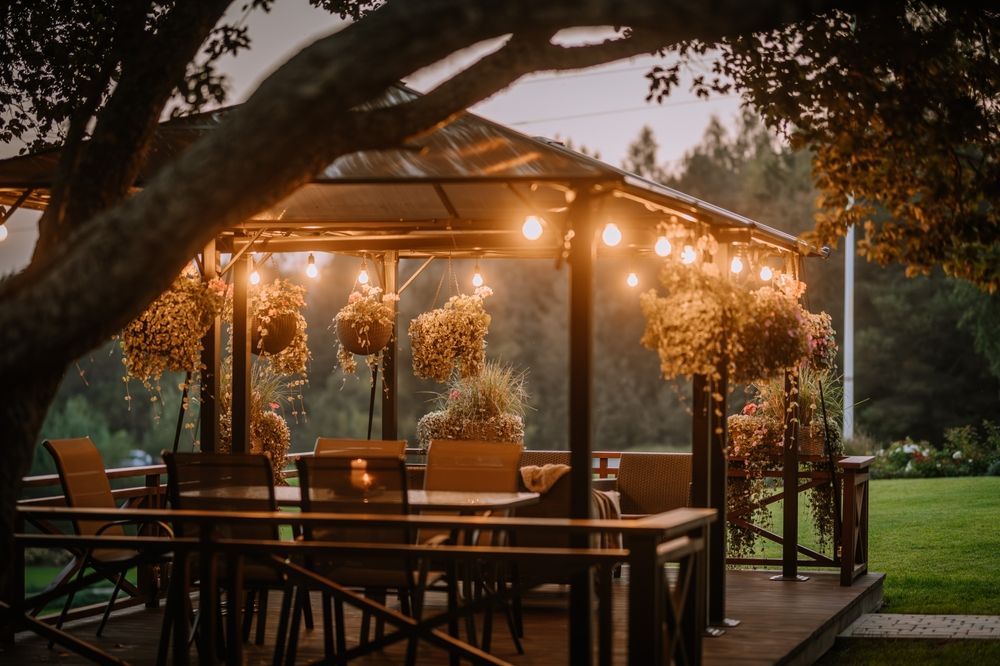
(736, 265)
(532, 228)
(3, 232)
(311, 269)
(663, 246)
(477, 277)
(255, 277)
(632, 280)
(688, 255)
(363, 275)
(766, 273)
(611, 235)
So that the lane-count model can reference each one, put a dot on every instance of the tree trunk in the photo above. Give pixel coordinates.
(23, 405)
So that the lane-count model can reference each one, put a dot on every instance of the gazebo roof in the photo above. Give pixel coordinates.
(464, 189)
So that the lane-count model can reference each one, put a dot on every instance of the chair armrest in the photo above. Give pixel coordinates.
(136, 521)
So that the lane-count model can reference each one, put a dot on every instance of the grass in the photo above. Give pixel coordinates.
(938, 542)
(37, 578)
(878, 651)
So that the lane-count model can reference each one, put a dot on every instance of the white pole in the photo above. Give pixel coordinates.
(848, 431)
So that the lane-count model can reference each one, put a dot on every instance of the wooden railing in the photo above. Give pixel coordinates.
(654, 600)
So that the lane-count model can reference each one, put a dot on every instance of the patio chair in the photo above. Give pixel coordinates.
(198, 481)
(85, 483)
(653, 482)
(477, 466)
(373, 485)
(359, 448)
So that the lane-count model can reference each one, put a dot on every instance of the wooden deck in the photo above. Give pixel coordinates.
(781, 622)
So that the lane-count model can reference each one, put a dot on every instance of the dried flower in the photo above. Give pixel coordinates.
(451, 335)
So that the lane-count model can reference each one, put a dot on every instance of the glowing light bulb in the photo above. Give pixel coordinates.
(766, 273)
(663, 246)
(477, 279)
(255, 277)
(3, 232)
(632, 280)
(611, 235)
(311, 269)
(532, 228)
(688, 255)
(363, 276)
(736, 265)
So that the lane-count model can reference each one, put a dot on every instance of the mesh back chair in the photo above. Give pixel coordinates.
(653, 482)
(233, 482)
(85, 484)
(542, 458)
(469, 465)
(477, 466)
(372, 485)
(360, 448)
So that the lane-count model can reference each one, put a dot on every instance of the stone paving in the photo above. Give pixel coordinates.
(900, 625)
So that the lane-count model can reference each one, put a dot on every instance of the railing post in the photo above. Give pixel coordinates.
(146, 575)
(645, 629)
(790, 481)
(854, 523)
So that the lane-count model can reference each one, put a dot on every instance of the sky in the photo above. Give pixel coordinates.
(601, 108)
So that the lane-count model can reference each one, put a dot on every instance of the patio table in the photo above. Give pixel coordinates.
(438, 500)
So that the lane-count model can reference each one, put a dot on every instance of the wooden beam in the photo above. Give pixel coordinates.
(211, 346)
(717, 472)
(390, 406)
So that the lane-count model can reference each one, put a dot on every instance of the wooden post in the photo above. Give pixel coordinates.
(790, 480)
(241, 355)
(211, 346)
(581, 322)
(700, 441)
(717, 473)
(390, 407)
(645, 590)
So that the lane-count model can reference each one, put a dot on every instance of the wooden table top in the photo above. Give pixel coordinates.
(443, 500)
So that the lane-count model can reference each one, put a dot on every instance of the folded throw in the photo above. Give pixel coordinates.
(541, 479)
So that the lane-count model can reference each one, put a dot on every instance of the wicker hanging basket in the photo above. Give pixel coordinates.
(281, 331)
(812, 441)
(374, 341)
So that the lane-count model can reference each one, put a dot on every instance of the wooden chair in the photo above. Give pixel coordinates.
(653, 482)
(204, 482)
(477, 466)
(85, 484)
(373, 485)
(360, 448)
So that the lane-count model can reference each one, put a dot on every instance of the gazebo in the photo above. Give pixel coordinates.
(474, 189)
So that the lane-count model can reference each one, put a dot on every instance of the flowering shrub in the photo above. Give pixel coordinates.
(966, 451)
(489, 406)
(367, 311)
(167, 335)
(282, 298)
(451, 335)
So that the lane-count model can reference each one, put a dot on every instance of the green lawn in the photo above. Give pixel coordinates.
(938, 542)
(887, 652)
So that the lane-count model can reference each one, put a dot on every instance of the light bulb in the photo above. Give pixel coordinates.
(611, 235)
(363, 276)
(311, 269)
(477, 279)
(632, 280)
(688, 255)
(766, 273)
(255, 277)
(736, 265)
(3, 232)
(532, 228)
(663, 246)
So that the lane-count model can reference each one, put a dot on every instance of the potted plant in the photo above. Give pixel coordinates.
(167, 335)
(364, 326)
(279, 328)
(450, 337)
(488, 406)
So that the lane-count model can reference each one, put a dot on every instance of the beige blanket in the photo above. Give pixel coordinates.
(541, 479)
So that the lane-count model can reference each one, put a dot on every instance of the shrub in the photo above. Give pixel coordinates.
(966, 451)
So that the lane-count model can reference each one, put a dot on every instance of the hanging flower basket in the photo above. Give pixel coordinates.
(366, 342)
(279, 333)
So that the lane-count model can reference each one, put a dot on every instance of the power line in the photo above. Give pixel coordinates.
(648, 107)
(580, 75)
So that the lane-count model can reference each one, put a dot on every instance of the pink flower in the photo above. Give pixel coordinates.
(750, 408)
(354, 297)
(274, 405)
(454, 395)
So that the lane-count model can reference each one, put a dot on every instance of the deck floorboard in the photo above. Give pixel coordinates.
(781, 622)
